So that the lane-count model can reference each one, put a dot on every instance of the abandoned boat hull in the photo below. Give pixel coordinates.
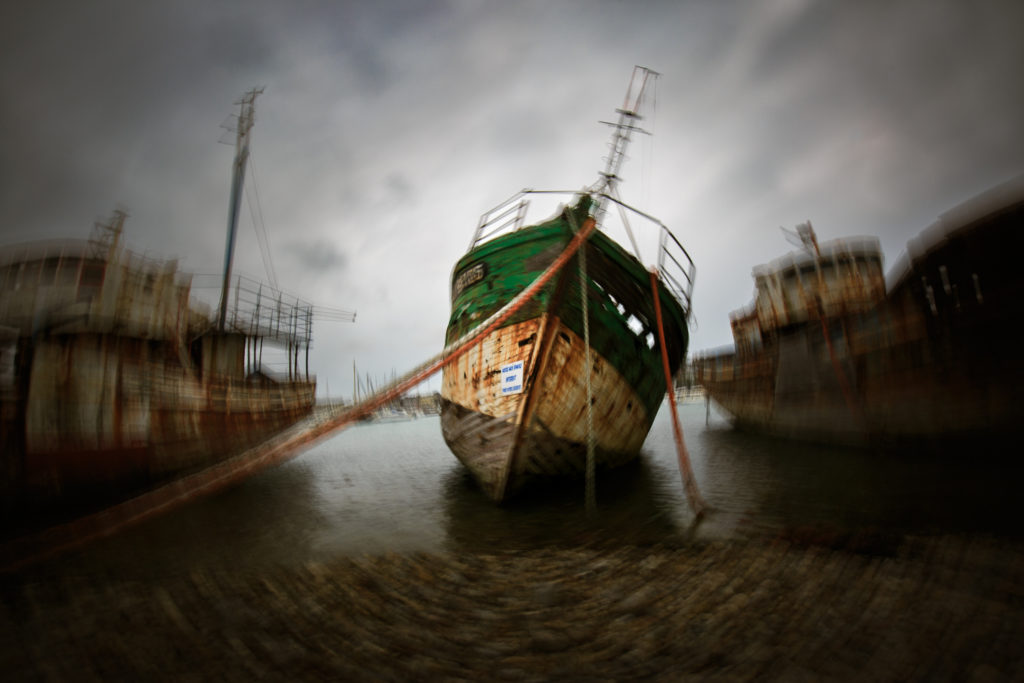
(112, 379)
(579, 368)
(931, 362)
(100, 416)
(514, 406)
(921, 403)
(104, 412)
(542, 432)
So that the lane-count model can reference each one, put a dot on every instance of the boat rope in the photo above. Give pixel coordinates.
(460, 346)
(259, 225)
(697, 503)
(30, 549)
(591, 492)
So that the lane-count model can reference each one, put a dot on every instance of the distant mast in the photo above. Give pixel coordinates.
(246, 118)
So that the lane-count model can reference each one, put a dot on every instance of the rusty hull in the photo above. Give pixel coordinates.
(107, 414)
(934, 362)
(507, 440)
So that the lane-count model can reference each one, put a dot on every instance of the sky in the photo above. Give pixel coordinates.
(386, 129)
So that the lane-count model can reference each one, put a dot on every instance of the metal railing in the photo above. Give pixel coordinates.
(508, 216)
(259, 310)
(675, 267)
(262, 311)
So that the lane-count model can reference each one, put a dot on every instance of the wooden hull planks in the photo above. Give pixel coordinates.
(506, 441)
(102, 412)
(508, 437)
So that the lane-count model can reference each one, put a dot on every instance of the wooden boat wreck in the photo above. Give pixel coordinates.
(828, 352)
(113, 379)
(515, 406)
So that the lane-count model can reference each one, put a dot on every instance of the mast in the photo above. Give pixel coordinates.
(629, 117)
(803, 236)
(246, 118)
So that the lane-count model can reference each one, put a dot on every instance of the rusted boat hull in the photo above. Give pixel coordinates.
(922, 403)
(904, 384)
(113, 379)
(580, 366)
(507, 441)
(934, 362)
(105, 415)
(540, 428)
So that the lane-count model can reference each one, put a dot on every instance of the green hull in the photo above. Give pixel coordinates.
(508, 264)
(541, 429)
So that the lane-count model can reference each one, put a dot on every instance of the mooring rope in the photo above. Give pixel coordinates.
(591, 492)
(697, 503)
(49, 542)
(462, 345)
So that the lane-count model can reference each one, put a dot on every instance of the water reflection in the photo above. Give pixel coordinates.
(396, 488)
(767, 485)
(268, 518)
(631, 508)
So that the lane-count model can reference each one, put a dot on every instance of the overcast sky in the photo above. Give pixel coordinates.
(387, 128)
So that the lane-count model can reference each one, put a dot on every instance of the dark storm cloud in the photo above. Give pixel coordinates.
(886, 103)
(917, 70)
(101, 88)
(321, 256)
(93, 89)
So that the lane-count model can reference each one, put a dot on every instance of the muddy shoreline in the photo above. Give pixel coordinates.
(796, 608)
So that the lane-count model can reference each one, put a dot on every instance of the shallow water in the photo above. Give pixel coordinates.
(395, 487)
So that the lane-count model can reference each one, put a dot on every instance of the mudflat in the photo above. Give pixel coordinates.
(799, 607)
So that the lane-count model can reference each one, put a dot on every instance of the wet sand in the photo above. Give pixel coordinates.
(799, 606)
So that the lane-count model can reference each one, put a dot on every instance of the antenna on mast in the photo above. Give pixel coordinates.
(246, 118)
